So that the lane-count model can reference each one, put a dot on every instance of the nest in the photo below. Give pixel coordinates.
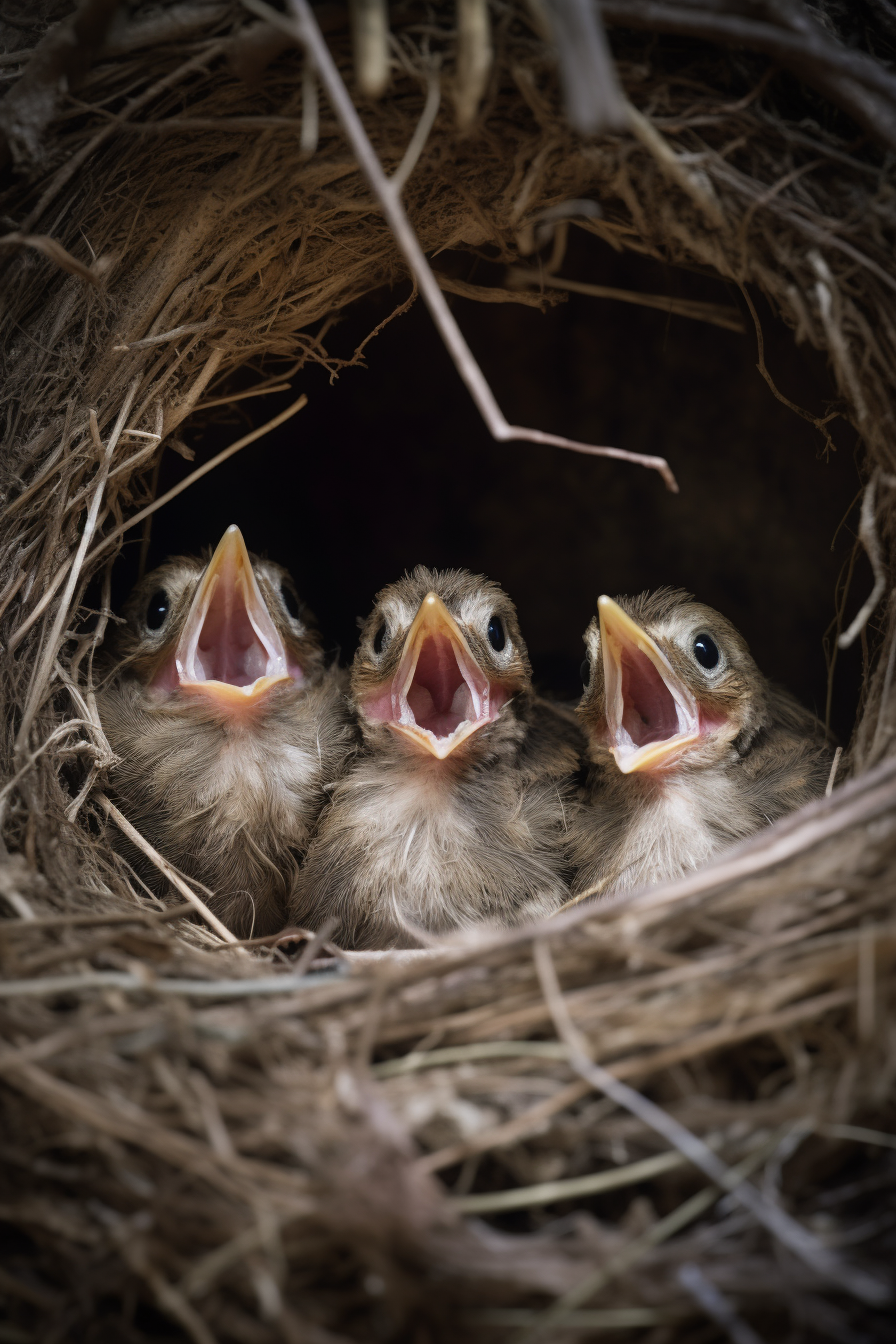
(670, 1114)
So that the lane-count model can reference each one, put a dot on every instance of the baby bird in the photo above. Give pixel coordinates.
(454, 810)
(690, 748)
(228, 726)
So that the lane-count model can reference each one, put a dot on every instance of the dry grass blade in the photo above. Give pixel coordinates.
(796, 1238)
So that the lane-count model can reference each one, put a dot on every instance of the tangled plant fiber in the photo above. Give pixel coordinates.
(671, 1114)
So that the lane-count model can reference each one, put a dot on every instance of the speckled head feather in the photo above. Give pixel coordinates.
(441, 661)
(228, 725)
(455, 809)
(134, 645)
(713, 709)
(690, 748)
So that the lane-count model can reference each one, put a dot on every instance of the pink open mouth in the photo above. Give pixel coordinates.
(652, 717)
(230, 648)
(439, 696)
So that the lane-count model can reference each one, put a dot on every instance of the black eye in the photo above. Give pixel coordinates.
(157, 610)
(290, 600)
(496, 635)
(379, 638)
(706, 652)
(585, 670)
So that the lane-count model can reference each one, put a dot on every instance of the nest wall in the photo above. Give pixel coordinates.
(192, 1140)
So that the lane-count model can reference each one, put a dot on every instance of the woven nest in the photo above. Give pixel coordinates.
(494, 1140)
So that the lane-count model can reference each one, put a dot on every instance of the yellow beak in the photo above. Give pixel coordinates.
(440, 695)
(652, 717)
(230, 648)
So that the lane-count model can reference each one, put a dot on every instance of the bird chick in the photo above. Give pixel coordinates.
(453, 811)
(689, 747)
(228, 726)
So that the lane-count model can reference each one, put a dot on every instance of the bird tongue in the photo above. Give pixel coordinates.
(649, 713)
(230, 648)
(439, 695)
(652, 717)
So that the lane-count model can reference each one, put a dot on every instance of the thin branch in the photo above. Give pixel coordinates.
(868, 538)
(718, 314)
(835, 765)
(550, 1192)
(854, 80)
(562, 1312)
(304, 29)
(475, 54)
(41, 242)
(787, 1230)
(38, 986)
(54, 639)
(592, 95)
(715, 1304)
(194, 476)
(418, 140)
(511, 1131)
(165, 868)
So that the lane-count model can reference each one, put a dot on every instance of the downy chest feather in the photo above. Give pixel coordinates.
(678, 827)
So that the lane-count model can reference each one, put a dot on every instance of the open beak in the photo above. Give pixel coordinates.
(439, 695)
(652, 717)
(230, 648)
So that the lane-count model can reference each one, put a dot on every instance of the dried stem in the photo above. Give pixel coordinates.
(304, 28)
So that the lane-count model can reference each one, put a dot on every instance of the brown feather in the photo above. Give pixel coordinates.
(770, 756)
(230, 802)
(409, 842)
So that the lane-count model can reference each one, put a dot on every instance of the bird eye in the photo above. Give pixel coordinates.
(585, 670)
(496, 635)
(706, 651)
(157, 610)
(290, 600)
(379, 638)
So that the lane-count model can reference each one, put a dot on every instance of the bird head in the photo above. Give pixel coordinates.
(669, 684)
(226, 631)
(440, 658)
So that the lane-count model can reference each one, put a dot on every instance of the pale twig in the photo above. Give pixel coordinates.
(868, 538)
(54, 251)
(54, 638)
(511, 1131)
(418, 140)
(77, 983)
(196, 475)
(550, 1192)
(835, 765)
(164, 337)
(310, 111)
(57, 733)
(370, 44)
(719, 315)
(464, 1054)
(592, 95)
(304, 29)
(696, 185)
(858, 1134)
(165, 868)
(474, 59)
(561, 1312)
(715, 1304)
(787, 1230)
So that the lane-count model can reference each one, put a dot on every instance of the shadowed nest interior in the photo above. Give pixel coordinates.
(209, 1143)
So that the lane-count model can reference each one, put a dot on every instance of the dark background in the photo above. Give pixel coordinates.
(391, 466)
